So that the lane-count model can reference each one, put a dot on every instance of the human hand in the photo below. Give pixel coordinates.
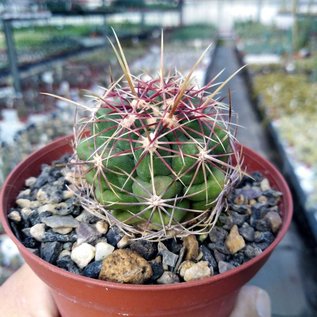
(252, 301)
(24, 294)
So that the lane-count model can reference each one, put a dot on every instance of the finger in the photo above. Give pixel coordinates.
(252, 301)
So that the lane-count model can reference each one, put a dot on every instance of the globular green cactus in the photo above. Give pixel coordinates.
(158, 156)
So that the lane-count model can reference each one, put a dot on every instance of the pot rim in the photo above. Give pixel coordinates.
(287, 217)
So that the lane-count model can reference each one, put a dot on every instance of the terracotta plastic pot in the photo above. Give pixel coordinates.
(84, 297)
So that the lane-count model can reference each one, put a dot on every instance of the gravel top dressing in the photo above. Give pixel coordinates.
(49, 220)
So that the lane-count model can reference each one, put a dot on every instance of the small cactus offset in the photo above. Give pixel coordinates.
(157, 157)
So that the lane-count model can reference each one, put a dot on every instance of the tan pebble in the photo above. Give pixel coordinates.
(125, 266)
(197, 271)
(274, 220)
(262, 199)
(234, 241)
(102, 226)
(68, 194)
(239, 200)
(38, 231)
(184, 267)
(42, 196)
(62, 230)
(125, 241)
(23, 203)
(14, 216)
(35, 204)
(191, 247)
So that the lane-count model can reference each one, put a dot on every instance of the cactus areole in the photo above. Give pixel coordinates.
(160, 156)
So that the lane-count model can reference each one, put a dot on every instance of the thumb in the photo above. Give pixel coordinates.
(252, 301)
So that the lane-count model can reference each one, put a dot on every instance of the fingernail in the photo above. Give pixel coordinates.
(263, 304)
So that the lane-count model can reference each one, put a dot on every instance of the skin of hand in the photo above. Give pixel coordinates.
(252, 301)
(24, 294)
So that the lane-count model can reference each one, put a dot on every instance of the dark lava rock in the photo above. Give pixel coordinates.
(259, 210)
(218, 234)
(16, 230)
(207, 256)
(50, 236)
(93, 269)
(34, 218)
(252, 251)
(238, 258)
(241, 209)
(50, 251)
(44, 177)
(249, 193)
(247, 232)
(147, 249)
(263, 237)
(174, 245)
(257, 177)
(30, 242)
(225, 266)
(157, 269)
(219, 246)
(219, 256)
(87, 233)
(238, 219)
(44, 214)
(226, 221)
(114, 235)
(67, 264)
(262, 245)
(262, 225)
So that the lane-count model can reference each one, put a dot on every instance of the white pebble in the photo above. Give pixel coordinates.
(30, 181)
(265, 184)
(103, 249)
(26, 192)
(83, 254)
(47, 207)
(38, 231)
(197, 271)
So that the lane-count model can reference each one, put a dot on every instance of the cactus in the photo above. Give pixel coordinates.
(157, 157)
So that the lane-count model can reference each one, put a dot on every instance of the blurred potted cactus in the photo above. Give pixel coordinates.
(157, 160)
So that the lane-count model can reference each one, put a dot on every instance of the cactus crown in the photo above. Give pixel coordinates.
(159, 157)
